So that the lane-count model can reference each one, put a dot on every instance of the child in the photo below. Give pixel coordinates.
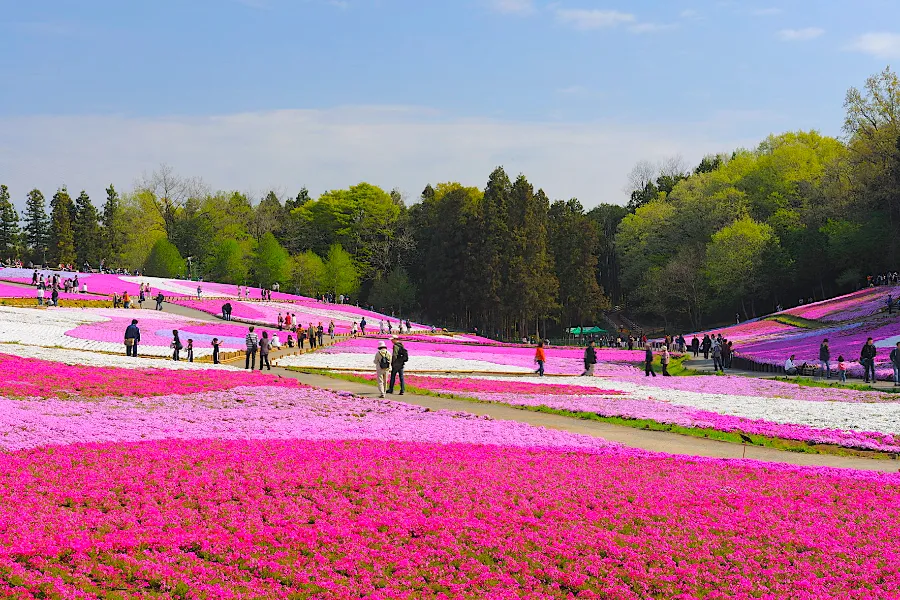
(842, 369)
(215, 345)
(190, 350)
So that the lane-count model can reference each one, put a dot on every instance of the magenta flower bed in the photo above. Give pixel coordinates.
(13, 291)
(859, 304)
(276, 519)
(750, 331)
(34, 378)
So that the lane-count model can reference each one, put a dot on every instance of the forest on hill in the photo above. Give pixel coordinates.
(801, 215)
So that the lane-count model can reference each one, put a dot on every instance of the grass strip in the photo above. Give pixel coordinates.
(735, 437)
(797, 322)
(821, 383)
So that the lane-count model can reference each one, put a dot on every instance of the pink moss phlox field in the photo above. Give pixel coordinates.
(158, 331)
(260, 412)
(751, 330)
(609, 403)
(338, 519)
(12, 291)
(44, 379)
(863, 303)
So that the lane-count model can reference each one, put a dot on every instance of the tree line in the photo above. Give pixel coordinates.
(800, 215)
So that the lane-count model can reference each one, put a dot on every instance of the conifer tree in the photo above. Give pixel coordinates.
(62, 236)
(9, 226)
(113, 233)
(37, 226)
(87, 231)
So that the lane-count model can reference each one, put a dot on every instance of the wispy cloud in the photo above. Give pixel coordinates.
(879, 45)
(800, 35)
(571, 90)
(766, 12)
(689, 13)
(587, 19)
(513, 7)
(331, 149)
(651, 27)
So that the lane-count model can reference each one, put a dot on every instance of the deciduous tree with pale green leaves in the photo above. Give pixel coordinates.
(270, 262)
(165, 260)
(341, 275)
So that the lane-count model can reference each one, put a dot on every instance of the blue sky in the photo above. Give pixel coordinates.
(252, 94)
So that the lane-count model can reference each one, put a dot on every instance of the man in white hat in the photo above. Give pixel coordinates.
(382, 367)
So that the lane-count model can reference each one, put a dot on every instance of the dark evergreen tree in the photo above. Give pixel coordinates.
(113, 234)
(490, 261)
(9, 226)
(87, 231)
(62, 235)
(37, 226)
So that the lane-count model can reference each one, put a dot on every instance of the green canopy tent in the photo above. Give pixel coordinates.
(585, 330)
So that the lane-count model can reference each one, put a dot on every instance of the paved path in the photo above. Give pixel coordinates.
(655, 441)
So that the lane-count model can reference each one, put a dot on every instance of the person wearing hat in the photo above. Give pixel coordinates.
(382, 367)
(399, 356)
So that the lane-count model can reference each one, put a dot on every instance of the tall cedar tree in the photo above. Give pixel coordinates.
(9, 226)
(113, 238)
(37, 226)
(87, 231)
(62, 235)
(490, 261)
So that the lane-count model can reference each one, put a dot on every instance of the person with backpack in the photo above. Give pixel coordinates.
(590, 359)
(895, 362)
(824, 358)
(264, 345)
(132, 337)
(176, 345)
(867, 359)
(252, 343)
(399, 358)
(382, 367)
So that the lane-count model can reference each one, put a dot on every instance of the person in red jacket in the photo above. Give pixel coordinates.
(540, 358)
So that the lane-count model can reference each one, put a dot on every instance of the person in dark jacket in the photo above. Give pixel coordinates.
(264, 345)
(226, 311)
(825, 359)
(132, 337)
(706, 346)
(590, 359)
(695, 346)
(648, 361)
(399, 358)
(867, 359)
(176, 345)
(895, 362)
(159, 301)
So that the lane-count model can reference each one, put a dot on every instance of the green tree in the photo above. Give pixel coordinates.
(87, 231)
(271, 262)
(9, 226)
(228, 263)
(491, 256)
(62, 235)
(37, 226)
(308, 274)
(164, 260)
(113, 233)
(341, 275)
(735, 260)
(394, 293)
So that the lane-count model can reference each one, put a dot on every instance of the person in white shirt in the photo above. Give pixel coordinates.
(275, 343)
(789, 367)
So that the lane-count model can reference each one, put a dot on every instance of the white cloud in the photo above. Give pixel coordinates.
(879, 45)
(584, 19)
(651, 27)
(800, 35)
(689, 13)
(766, 12)
(513, 7)
(335, 148)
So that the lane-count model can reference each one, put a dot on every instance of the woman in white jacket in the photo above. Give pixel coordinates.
(382, 363)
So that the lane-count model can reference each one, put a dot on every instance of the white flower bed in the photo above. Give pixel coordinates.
(48, 327)
(365, 362)
(168, 285)
(95, 359)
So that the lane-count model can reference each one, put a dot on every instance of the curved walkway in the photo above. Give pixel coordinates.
(654, 441)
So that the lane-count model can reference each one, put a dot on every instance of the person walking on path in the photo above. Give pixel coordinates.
(842, 369)
(132, 337)
(895, 362)
(311, 334)
(540, 358)
(331, 330)
(362, 326)
(382, 367)
(215, 345)
(264, 345)
(280, 322)
(176, 345)
(664, 360)
(717, 358)
(320, 334)
(706, 346)
(126, 300)
(867, 359)
(40, 295)
(648, 361)
(159, 300)
(590, 359)
(54, 297)
(399, 358)
(251, 342)
(190, 350)
(824, 359)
